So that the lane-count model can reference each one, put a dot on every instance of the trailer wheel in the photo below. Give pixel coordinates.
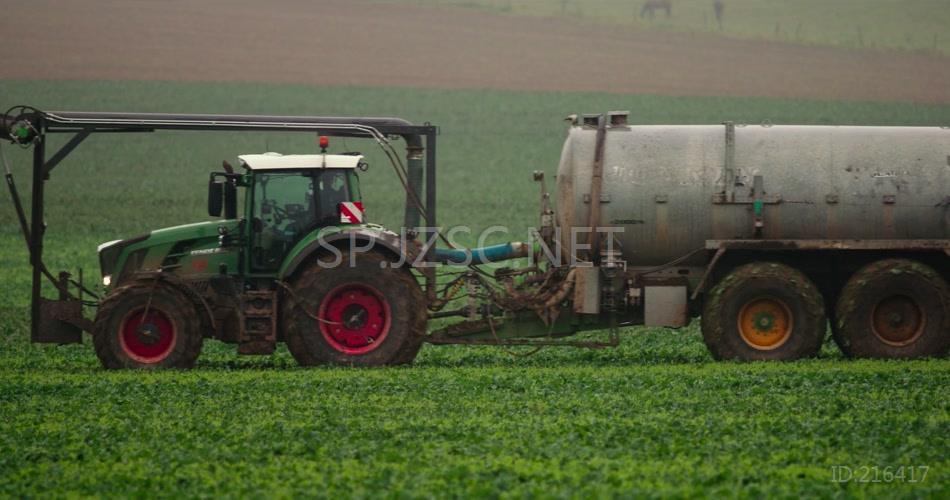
(369, 314)
(894, 308)
(147, 325)
(764, 311)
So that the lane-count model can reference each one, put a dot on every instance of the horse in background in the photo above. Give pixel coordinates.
(651, 6)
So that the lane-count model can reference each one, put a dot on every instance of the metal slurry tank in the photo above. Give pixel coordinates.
(672, 187)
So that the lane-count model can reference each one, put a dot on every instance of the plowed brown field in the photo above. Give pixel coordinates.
(346, 42)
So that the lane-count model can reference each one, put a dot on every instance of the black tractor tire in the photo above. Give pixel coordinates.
(894, 308)
(373, 290)
(764, 311)
(169, 336)
(420, 321)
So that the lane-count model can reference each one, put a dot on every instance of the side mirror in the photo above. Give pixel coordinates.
(215, 197)
(230, 200)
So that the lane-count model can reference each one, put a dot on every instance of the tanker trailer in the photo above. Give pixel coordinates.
(767, 232)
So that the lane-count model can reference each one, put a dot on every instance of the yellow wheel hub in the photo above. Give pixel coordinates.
(765, 323)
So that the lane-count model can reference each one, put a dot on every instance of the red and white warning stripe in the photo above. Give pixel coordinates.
(351, 212)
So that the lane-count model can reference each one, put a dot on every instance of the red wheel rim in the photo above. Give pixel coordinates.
(148, 339)
(356, 318)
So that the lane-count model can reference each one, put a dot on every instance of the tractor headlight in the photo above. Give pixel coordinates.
(108, 255)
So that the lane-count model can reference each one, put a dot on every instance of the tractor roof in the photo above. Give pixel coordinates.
(273, 161)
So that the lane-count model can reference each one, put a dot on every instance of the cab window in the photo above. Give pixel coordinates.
(288, 205)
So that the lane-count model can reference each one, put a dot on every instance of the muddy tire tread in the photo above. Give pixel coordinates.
(717, 338)
(412, 302)
(853, 337)
(190, 336)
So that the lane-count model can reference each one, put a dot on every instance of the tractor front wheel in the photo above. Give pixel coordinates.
(365, 314)
(147, 325)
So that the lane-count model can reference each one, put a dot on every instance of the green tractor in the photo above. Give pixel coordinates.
(299, 264)
(283, 270)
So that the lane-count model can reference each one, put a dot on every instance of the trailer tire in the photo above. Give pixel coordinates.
(369, 314)
(764, 311)
(894, 308)
(168, 336)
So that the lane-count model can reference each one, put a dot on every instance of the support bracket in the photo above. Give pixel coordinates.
(64, 151)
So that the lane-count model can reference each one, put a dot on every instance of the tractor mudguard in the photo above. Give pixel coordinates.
(389, 242)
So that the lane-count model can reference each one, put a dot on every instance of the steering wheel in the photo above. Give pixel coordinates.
(279, 213)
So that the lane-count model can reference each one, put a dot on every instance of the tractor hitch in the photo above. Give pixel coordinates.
(61, 320)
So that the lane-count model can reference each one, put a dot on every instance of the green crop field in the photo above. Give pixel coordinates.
(912, 25)
(653, 417)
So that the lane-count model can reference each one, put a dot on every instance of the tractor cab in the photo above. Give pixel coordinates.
(290, 196)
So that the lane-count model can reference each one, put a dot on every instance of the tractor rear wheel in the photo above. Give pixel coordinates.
(368, 314)
(764, 311)
(894, 308)
(147, 325)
